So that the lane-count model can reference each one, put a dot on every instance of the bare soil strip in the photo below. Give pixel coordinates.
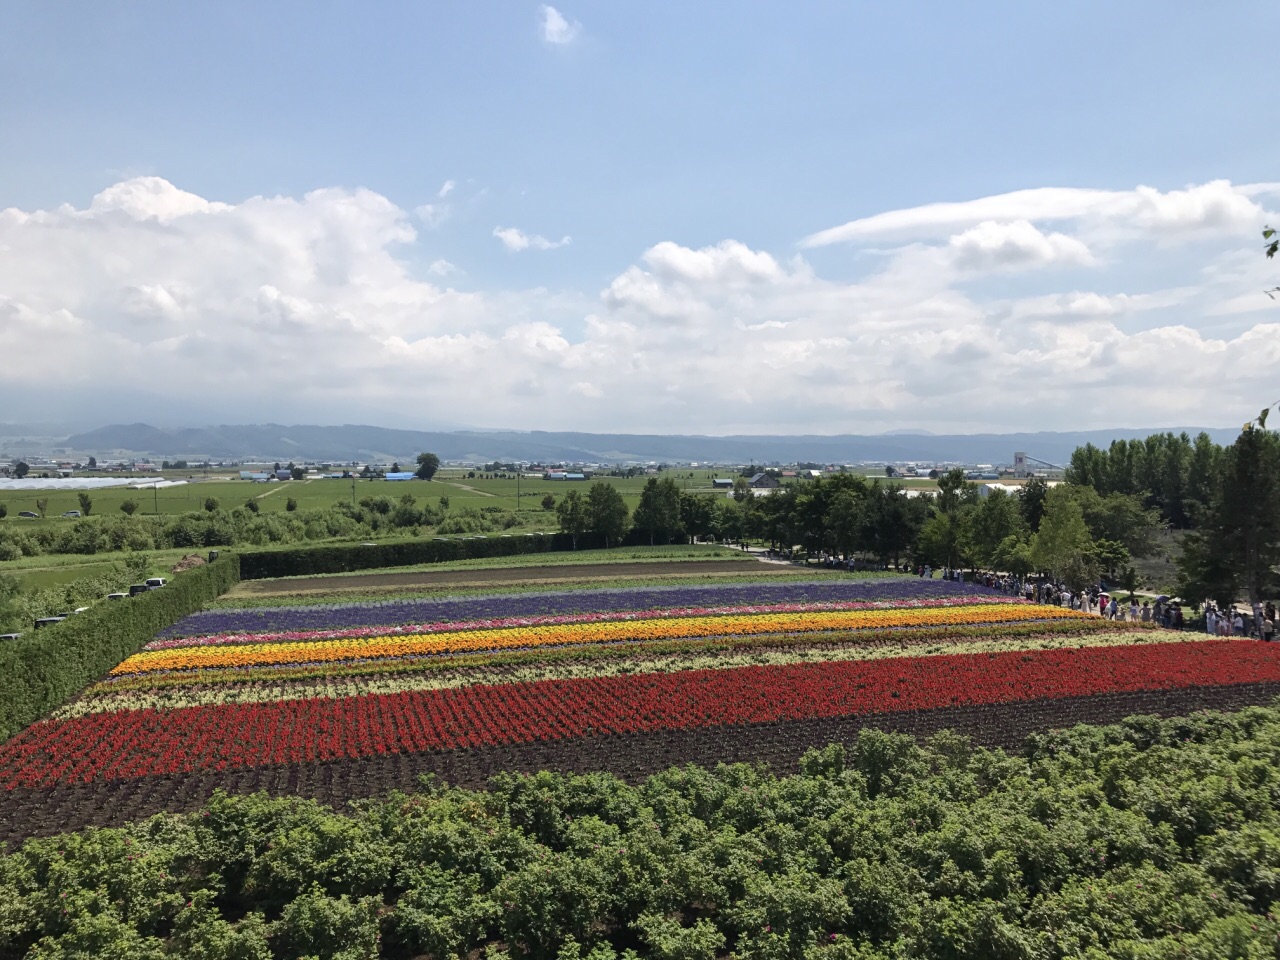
(41, 812)
(550, 573)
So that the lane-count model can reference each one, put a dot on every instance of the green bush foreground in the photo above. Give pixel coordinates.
(1148, 839)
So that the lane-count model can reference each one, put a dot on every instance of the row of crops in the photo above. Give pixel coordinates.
(346, 699)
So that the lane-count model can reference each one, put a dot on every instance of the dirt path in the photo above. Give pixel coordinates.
(463, 486)
(538, 574)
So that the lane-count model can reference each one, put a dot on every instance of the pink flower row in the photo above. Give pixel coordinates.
(498, 623)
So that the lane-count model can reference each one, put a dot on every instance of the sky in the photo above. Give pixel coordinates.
(710, 218)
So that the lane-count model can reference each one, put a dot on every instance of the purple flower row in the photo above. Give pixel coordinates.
(270, 619)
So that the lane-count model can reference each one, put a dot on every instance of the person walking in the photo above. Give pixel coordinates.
(1237, 624)
(1133, 609)
(1146, 611)
(1113, 610)
(1210, 620)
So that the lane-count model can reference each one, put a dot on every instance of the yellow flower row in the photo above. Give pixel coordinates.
(188, 658)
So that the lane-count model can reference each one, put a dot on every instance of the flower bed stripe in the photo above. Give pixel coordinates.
(501, 623)
(147, 742)
(394, 666)
(276, 619)
(253, 689)
(190, 658)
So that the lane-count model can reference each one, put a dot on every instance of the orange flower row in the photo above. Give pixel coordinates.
(365, 648)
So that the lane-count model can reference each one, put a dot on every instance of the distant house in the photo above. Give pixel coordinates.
(763, 481)
(403, 475)
(722, 483)
(575, 476)
(254, 475)
(812, 474)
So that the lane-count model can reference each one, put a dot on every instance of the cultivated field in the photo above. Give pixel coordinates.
(648, 668)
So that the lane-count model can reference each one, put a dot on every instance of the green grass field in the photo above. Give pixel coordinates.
(320, 494)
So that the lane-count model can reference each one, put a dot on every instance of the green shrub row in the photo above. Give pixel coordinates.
(43, 668)
(345, 558)
(1148, 840)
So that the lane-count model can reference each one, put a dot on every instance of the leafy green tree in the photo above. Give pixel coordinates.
(428, 464)
(129, 507)
(297, 473)
(93, 463)
(1032, 501)
(4, 510)
(42, 505)
(211, 504)
(658, 513)
(741, 489)
(696, 513)
(891, 521)
(1237, 548)
(549, 502)
(10, 614)
(1110, 556)
(606, 512)
(1014, 556)
(21, 469)
(1062, 537)
(845, 521)
(728, 521)
(572, 514)
(86, 502)
(943, 538)
(995, 518)
(291, 505)
(252, 506)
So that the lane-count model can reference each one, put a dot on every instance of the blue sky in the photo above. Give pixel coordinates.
(450, 194)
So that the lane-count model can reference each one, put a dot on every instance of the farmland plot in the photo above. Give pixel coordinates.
(348, 699)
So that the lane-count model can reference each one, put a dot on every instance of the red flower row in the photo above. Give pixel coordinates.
(149, 742)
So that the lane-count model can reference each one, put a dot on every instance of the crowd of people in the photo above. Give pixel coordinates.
(1168, 613)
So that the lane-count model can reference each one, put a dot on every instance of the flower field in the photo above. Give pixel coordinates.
(351, 698)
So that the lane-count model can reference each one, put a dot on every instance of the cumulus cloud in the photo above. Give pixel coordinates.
(152, 302)
(516, 240)
(994, 246)
(556, 28)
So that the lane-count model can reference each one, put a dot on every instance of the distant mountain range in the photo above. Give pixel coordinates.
(355, 442)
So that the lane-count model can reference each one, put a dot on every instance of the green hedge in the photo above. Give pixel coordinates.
(44, 668)
(344, 558)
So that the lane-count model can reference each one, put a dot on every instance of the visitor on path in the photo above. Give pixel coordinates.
(1133, 609)
(1146, 611)
(1237, 624)
(1210, 620)
(1113, 609)
(1268, 629)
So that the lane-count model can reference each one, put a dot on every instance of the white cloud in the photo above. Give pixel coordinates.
(446, 188)
(1210, 205)
(152, 302)
(556, 28)
(432, 214)
(516, 240)
(994, 246)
